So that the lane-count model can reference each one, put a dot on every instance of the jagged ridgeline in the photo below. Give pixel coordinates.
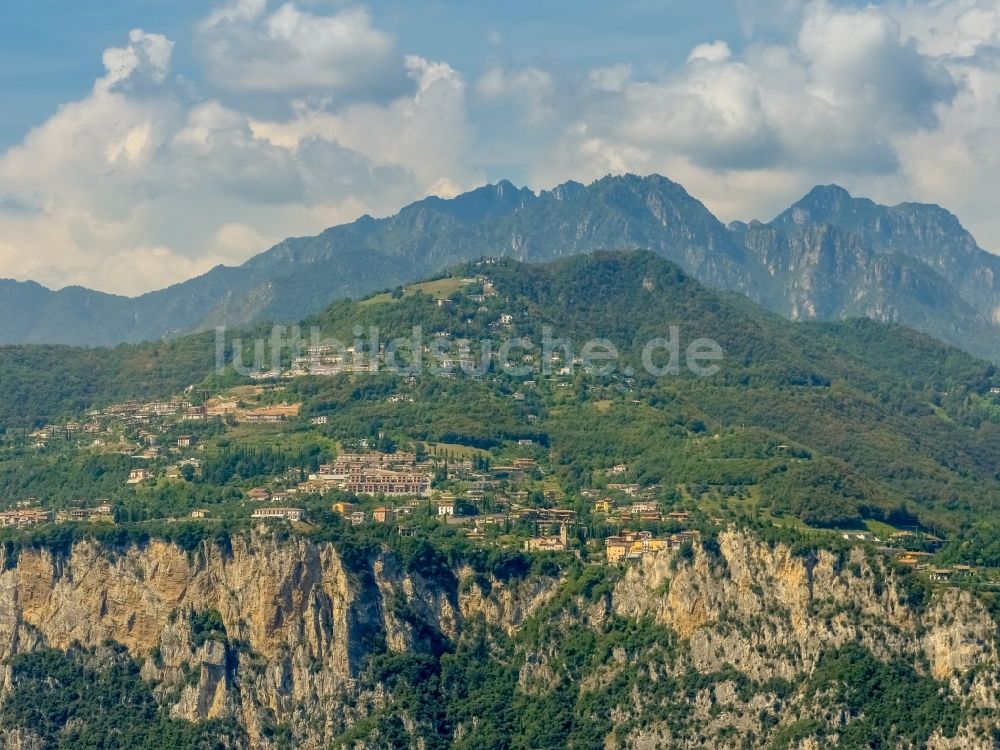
(828, 257)
(277, 642)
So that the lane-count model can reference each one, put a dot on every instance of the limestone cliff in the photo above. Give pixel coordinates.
(297, 624)
(293, 628)
(770, 614)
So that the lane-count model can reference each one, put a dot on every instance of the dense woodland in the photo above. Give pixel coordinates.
(97, 701)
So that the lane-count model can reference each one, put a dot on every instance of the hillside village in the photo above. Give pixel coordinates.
(514, 504)
(333, 436)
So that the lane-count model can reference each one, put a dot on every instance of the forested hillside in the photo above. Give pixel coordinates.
(45, 383)
(834, 424)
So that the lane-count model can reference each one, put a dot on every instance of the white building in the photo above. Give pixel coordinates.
(286, 514)
(137, 476)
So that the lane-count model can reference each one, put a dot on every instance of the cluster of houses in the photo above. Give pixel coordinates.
(231, 410)
(922, 561)
(448, 508)
(103, 512)
(919, 560)
(390, 474)
(282, 514)
(643, 510)
(135, 428)
(558, 543)
(23, 517)
(634, 545)
(401, 477)
(329, 360)
(945, 575)
(135, 414)
(138, 476)
(381, 514)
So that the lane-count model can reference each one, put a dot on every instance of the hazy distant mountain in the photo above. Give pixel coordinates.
(829, 256)
(833, 256)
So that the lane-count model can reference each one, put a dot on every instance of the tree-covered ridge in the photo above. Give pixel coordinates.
(889, 416)
(834, 424)
(49, 383)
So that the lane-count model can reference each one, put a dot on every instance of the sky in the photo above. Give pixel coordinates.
(143, 142)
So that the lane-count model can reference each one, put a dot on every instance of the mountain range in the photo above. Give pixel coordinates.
(829, 256)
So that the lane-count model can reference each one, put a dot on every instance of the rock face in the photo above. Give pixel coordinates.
(292, 604)
(829, 256)
(300, 276)
(292, 626)
(303, 623)
(771, 614)
(833, 256)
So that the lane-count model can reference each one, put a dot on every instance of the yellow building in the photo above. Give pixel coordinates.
(632, 545)
(641, 546)
(616, 548)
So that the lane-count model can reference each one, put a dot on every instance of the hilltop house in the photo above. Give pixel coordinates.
(633, 545)
(24, 517)
(549, 543)
(859, 536)
(286, 514)
(137, 476)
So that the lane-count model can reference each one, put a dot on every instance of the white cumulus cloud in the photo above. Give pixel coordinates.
(308, 117)
(246, 46)
(145, 56)
(137, 185)
(717, 51)
(427, 130)
(846, 96)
